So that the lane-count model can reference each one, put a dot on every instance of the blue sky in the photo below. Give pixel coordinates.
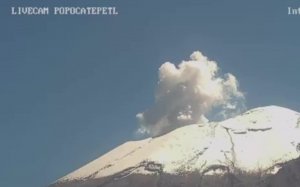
(72, 85)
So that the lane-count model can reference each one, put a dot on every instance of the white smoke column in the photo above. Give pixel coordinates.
(185, 94)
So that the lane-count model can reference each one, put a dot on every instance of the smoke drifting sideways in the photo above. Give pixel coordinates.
(187, 93)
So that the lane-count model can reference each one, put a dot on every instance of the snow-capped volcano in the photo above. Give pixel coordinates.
(263, 140)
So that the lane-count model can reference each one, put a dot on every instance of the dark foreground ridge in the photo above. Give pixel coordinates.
(287, 176)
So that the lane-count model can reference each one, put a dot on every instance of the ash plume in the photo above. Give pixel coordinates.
(186, 93)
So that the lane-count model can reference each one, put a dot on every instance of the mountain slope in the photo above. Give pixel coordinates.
(258, 142)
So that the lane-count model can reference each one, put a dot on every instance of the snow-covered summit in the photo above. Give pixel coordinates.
(258, 140)
(264, 117)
